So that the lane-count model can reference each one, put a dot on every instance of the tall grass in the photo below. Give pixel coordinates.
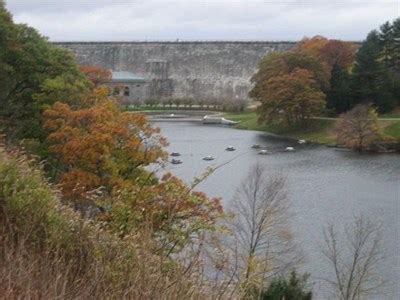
(49, 251)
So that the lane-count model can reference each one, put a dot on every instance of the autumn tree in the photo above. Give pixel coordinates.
(293, 97)
(337, 57)
(313, 45)
(97, 75)
(290, 87)
(100, 146)
(104, 153)
(358, 128)
(330, 52)
(169, 209)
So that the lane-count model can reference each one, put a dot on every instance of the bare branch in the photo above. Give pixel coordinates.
(354, 259)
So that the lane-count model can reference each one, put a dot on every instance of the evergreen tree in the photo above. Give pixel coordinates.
(396, 47)
(338, 96)
(293, 288)
(386, 38)
(371, 83)
(394, 67)
(390, 42)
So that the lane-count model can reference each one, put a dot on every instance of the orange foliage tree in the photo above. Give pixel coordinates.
(329, 51)
(337, 57)
(338, 52)
(294, 97)
(313, 45)
(100, 146)
(289, 87)
(170, 209)
(103, 153)
(95, 74)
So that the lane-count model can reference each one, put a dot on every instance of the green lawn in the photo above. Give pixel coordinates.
(318, 131)
(393, 130)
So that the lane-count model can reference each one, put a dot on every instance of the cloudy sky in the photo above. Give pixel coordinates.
(103, 20)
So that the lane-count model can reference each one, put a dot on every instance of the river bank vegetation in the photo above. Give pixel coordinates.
(322, 77)
(319, 130)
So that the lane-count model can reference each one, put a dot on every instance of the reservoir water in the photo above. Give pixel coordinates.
(324, 185)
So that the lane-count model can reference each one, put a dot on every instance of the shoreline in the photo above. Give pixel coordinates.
(320, 130)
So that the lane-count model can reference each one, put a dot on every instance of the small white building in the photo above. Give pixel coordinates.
(129, 87)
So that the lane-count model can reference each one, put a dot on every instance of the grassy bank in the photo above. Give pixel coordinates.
(392, 129)
(318, 131)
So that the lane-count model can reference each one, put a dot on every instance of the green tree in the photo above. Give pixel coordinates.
(338, 96)
(369, 80)
(390, 42)
(367, 69)
(386, 38)
(33, 73)
(376, 74)
(395, 51)
(292, 288)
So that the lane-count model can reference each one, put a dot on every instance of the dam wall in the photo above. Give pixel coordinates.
(214, 69)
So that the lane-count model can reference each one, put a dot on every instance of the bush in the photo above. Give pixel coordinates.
(293, 288)
(358, 129)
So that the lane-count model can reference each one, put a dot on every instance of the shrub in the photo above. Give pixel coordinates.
(292, 288)
(358, 128)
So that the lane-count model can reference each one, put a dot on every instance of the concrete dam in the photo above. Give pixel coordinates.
(198, 69)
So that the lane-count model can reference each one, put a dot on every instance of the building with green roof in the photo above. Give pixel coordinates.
(130, 88)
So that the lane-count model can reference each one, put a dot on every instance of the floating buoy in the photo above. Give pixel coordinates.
(176, 161)
(208, 157)
(230, 148)
(263, 152)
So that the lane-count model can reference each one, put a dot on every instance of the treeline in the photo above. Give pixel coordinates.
(375, 77)
(224, 104)
(322, 76)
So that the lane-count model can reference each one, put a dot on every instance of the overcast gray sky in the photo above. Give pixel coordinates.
(94, 20)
